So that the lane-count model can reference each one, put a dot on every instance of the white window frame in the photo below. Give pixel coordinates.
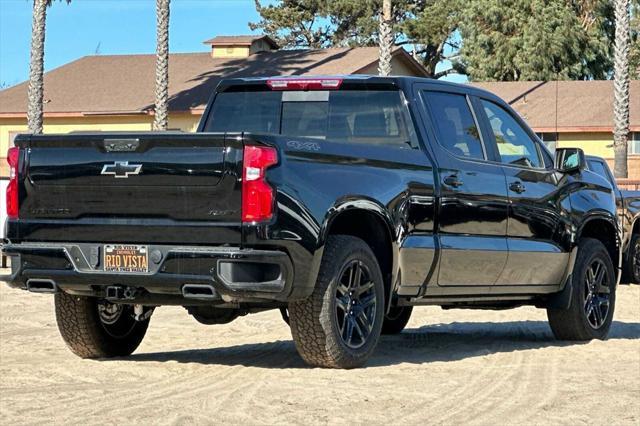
(634, 138)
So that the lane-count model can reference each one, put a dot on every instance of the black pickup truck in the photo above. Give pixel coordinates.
(628, 203)
(342, 201)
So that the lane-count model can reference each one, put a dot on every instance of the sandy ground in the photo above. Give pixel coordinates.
(448, 367)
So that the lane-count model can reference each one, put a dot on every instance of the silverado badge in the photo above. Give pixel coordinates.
(121, 169)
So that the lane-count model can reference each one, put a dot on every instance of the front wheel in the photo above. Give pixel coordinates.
(593, 296)
(339, 325)
(94, 328)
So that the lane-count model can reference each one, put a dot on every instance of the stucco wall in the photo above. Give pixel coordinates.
(184, 122)
(598, 144)
(230, 51)
(591, 143)
(68, 124)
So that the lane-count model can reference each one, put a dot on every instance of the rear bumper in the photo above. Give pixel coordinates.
(237, 275)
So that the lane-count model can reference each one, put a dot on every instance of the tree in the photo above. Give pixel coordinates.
(431, 26)
(428, 25)
(35, 93)
(161, 118)
(536, 39)
(621, 89)
(634, 50)
(318, 24)
(385, 39)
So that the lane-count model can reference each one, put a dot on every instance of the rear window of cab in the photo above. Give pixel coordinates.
(376, 117)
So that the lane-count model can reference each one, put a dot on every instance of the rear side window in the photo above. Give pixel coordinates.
(514, 144)
(351, 116)
(456, 127)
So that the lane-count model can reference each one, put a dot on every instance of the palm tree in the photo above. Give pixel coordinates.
(385, 38)
(621, 89)
(161, 120)
(35, 92)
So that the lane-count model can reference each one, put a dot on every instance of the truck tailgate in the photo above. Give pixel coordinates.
(138, 187)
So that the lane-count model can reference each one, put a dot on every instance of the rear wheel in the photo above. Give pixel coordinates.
(339, 325)
(593, 296)
(95, 328)
(632, 264)
(396, 319)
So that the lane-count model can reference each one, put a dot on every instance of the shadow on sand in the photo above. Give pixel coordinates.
(439, 342)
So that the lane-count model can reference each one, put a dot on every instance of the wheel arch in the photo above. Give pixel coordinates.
(369, 221)
(635, 228)
(604, 227)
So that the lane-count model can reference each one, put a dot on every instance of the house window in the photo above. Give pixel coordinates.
(550, 140)
(634, 143)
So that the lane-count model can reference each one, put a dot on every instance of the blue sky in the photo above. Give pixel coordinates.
(112, 27)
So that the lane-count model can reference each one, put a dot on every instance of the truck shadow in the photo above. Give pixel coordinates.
(430, 343)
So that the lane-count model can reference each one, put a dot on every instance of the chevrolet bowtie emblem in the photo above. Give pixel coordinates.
(121, 169)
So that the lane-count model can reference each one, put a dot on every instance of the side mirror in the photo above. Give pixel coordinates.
(570, 160)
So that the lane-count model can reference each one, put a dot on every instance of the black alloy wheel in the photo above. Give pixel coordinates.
(339, 324)
(592, 296)
(596, 293)
(355, 304)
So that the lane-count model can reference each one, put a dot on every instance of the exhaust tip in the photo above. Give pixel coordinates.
(199, 291)
(39, 285)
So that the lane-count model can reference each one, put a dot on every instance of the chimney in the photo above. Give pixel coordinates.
(240, 46)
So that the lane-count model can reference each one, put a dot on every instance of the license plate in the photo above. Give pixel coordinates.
(125, 259)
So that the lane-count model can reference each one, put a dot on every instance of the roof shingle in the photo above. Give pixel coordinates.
(125, 83)
(581, 105)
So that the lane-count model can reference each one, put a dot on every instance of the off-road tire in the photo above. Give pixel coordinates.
(630, 272)
(396, 319)
(573, 323)
(314, 321)
(85, 333)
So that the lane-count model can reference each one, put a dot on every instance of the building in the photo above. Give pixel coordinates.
(116, 92)
(574, 114)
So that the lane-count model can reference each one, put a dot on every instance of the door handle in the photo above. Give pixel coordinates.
(452, 181)
(517, 187)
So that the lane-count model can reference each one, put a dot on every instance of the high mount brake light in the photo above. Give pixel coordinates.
(257, 195)
(305, 84)
(12, 188)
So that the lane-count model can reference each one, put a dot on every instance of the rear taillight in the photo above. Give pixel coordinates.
(304, 83)
(12, 188)
(257, 195)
